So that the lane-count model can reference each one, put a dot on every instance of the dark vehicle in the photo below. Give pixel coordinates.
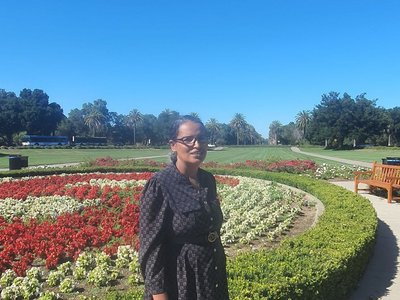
(89, 141)
(44, 140)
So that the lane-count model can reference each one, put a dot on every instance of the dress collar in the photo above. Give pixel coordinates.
(173, 170)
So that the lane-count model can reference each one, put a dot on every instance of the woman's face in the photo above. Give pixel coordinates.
(190, 144)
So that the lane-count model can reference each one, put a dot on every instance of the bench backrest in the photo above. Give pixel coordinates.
(385, 173)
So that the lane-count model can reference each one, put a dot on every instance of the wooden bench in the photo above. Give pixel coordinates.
(383, 176)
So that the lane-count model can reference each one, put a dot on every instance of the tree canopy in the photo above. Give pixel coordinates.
(338, 121)
(342, 122)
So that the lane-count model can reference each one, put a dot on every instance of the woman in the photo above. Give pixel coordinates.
(181, 255)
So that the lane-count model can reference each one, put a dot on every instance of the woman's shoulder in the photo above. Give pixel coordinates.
(205, 173)
(163, 176)
(206, 176)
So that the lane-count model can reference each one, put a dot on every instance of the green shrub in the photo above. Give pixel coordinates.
(326, 262)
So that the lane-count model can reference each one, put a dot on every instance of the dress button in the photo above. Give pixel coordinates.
(216, 285)
(216, 268)
(215, 250)
(212, 219)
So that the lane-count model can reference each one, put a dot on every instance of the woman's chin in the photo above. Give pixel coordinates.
(197, 159)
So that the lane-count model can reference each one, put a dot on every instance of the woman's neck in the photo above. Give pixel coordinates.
(187, 170)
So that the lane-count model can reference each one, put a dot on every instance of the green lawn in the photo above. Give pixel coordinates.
(367, 154)
(227, 155)
(236, 154)
(55, 156)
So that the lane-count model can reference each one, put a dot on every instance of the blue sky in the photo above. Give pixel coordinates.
(265, 59)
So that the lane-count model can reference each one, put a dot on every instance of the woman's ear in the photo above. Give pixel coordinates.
(172, 145)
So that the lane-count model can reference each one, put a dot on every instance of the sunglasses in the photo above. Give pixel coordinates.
(191, 140)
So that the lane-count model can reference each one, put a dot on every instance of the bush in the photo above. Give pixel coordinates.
(324, 263)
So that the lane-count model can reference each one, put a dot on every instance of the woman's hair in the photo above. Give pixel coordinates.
(178, 122)
(173, 134)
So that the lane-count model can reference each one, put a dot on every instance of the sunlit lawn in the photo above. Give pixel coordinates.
(367, 154)
(56, 156)
(236, 154)
(227, 155)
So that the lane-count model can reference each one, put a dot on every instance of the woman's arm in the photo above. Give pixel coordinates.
(153, 223)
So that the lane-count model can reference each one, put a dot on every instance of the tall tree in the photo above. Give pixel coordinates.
(289, 134)
(10, 116)
(275, 129)
(95, 120)
(133, 119)
(238, 123)
(54, 115)
(149, 126)
(213, 128)
(393, 127)
(164, 123)
(302, 120)
(77, 118)
(118, 133)
(96, 116)
(333, 117)
(38, 116)
(345, 122)
(195, 115)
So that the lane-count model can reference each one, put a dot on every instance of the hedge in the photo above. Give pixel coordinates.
(325, 262)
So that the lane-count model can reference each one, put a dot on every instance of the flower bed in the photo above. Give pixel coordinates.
(296, 166)
(83, 227)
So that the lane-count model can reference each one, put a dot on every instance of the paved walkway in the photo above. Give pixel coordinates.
(381, 279)
(342, 160)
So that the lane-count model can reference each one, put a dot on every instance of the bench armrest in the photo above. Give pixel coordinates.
(358, 174)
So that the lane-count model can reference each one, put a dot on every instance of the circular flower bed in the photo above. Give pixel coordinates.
(63, 233)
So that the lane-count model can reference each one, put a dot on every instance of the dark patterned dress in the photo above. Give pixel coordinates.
(178, 223)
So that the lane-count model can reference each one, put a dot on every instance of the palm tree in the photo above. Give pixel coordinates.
(134, 118)
(238, 123)
(213, 128)
(302, 120)
(95, 120)
(274, 132)
(251, 133)
(195, 115)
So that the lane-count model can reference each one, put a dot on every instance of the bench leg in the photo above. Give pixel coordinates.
(355, 187)
(390, 195)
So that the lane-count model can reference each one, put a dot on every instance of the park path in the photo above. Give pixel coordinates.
(342, 160)
(381, 279)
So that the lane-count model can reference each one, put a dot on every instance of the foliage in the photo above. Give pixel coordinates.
(30, 112)
(133, 119)
(340, 120)
(254, 208)
(302, 121)
(275, 129)
(304, 167)
(314, 264)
